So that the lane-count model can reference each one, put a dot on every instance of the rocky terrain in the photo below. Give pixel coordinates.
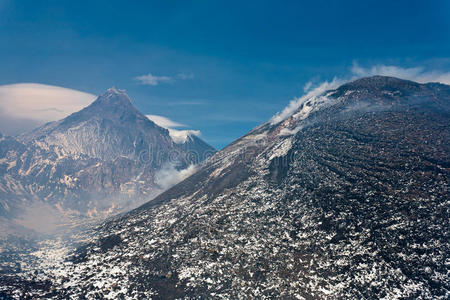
(346, 198)
(95, 162)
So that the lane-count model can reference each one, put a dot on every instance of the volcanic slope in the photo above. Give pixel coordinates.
(346, 198)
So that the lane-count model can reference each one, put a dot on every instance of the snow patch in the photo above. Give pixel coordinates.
(281, 149)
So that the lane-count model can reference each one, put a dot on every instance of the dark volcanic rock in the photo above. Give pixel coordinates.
(345, 199)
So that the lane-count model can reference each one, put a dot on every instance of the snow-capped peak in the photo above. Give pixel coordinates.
(113, 97)
(114, 90)
(115, 93)
(177, 136)
(182, 136)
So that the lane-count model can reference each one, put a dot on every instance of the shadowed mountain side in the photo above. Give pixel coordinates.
(96, 162)
(345, 198)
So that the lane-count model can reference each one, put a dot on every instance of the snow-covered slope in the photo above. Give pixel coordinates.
(96, 161)
(348, 199)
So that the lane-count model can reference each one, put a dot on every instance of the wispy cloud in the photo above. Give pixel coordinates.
(150, 79)
(24, 106)
(177, 135)
(307, 86)
(185, 76)
(164, 122)
(312, 92)
(181, 136)
(169, 175)
(418, 74)
(176, 103)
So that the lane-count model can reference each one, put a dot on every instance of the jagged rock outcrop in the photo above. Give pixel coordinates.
(99, 160)
(346, 198)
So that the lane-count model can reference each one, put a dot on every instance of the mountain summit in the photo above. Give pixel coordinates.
(346, 198)
(113, 99)
(108, 128)
(93, 159)
(112, 127)
(390, 88)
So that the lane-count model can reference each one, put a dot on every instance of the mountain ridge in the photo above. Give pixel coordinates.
(106, 150)
(344, 206)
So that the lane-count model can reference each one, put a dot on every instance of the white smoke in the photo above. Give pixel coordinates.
(168, 176)
(418, 74)
(42, 218)
(297, 102)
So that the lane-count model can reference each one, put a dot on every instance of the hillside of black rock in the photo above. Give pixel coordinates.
(347, 198)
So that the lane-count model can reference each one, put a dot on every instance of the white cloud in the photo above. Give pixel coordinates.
(164, 122)
(168, 176)
(418, 74)
(185, 76)
(178, 136)
(181, 136)
(150, 79)
(24, 106)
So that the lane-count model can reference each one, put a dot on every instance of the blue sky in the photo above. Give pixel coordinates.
(223, 66)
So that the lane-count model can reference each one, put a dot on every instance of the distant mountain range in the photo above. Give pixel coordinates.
(95, 162)
(347, 197)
